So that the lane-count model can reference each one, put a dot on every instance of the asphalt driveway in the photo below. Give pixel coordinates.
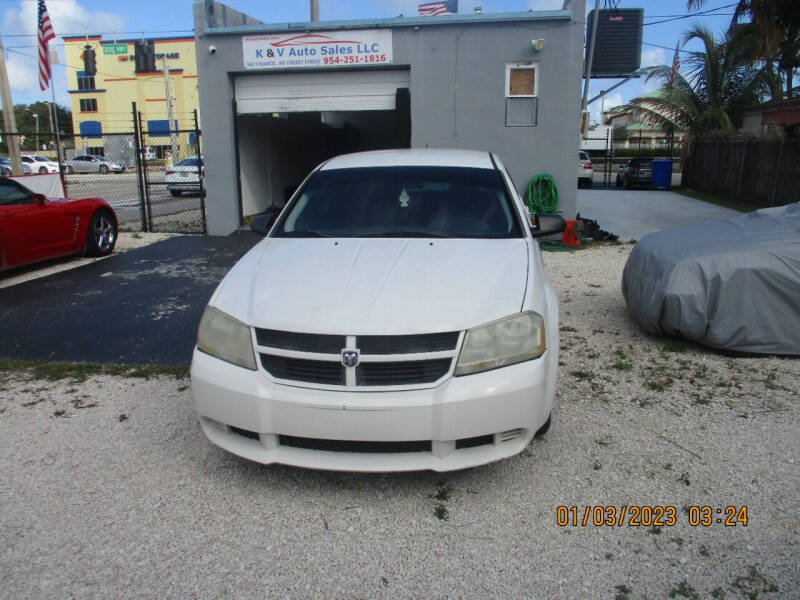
(632, 214)
(137, 307)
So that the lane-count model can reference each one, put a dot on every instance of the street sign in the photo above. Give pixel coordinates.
(115, 48)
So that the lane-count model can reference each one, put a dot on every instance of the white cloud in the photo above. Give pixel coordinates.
(67, 16)
(654, 57)
(546, 4)
(610, 101)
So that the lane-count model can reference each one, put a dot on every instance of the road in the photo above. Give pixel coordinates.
(121, 190)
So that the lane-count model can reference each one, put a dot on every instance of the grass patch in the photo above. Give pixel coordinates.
(79, 372)
(623, 365)
(684, 590)
(440, 510)
(588, 375)
(718, 200)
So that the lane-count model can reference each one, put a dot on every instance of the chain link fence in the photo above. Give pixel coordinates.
(154, 180)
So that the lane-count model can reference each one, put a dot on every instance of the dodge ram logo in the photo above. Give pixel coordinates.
(350, 358)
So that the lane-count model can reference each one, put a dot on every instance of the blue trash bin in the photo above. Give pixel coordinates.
(662, 174)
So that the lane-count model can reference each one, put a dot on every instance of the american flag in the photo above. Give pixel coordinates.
(430, 9)
(676, 64)
(46, 34)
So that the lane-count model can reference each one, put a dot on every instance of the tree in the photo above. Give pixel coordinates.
(26, 124)
(719, 82)
(619, 133)
(775, 30)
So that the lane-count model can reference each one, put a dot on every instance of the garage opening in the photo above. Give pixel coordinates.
(288, 123)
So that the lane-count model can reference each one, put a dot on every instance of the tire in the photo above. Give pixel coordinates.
(176, 193)
(103, 169)
(42, 170)
(70, 170)
(102, 234)
(544, 428)
(619, 181)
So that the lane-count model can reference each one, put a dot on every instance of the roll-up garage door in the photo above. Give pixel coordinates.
(328, 91)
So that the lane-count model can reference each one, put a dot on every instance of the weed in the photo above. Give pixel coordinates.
(659, 382)
(592, 354)
(183, 388)
(122, 417)
(603, 441)
(596, 465)
(442, 494)
(440, 510)
(567, 328)
(684, 479)
(685, 590)
(620, 353)
(583, 374)
(59, 413)
(656, 530)
(595, 285)
(608, 556)
(698, 398)
(136, 235)
(623, 592)
(754, 583)
(704, 550)
(678, 541)
(623, 365)
(718, 593)
(671, 348)
(561, 363)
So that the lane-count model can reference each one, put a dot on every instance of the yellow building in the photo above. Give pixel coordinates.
(102, 104)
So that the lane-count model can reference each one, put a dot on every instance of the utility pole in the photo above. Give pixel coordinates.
(173, 137)
(314, 11)
(587, 75)
(9, 122)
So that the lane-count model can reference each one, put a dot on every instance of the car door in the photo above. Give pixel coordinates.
(32, 231)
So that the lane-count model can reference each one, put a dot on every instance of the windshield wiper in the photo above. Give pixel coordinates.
(304, 233)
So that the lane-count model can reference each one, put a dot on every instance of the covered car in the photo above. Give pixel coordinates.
(732, 284)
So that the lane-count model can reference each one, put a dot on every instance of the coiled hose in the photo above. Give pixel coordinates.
(541, 195)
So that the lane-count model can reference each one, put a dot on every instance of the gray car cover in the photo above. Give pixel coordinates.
(732, 284)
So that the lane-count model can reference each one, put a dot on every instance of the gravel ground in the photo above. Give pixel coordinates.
(108, 487)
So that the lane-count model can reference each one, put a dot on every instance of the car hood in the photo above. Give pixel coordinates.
(375, 286)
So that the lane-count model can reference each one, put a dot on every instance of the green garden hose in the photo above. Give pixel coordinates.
(541, 195)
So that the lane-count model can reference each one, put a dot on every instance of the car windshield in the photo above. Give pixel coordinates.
(402, 202)
(188, 162)
(40, 158)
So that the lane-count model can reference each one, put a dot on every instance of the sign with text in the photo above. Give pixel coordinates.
(115, 48)
(369, 47)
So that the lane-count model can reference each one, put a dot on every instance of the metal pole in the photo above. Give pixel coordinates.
(587, 75)
(173, 138)
(200, 172)
(146, 187)
(314, 11)
(139, 165)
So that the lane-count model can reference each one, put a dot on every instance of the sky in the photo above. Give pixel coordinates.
(159, 18)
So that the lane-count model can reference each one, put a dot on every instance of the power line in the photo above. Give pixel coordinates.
(697, 14)
(83, 33)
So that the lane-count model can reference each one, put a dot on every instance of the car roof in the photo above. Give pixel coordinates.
(422, 157)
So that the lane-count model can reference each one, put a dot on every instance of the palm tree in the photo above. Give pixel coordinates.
(718, 83)
(775, 29)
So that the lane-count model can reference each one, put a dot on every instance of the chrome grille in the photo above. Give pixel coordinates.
(385, 360)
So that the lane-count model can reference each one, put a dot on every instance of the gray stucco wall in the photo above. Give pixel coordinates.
(457, 100)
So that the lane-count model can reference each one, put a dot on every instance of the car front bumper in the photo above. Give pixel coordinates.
(463, 422)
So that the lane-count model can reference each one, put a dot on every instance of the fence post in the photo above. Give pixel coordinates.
(741, 171)
(200, 172)
(777, 173)
(139, 166)
(146, 186)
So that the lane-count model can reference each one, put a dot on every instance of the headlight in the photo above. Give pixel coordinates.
(224, 337)
(501, 343)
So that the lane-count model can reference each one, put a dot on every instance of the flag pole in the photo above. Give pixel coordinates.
(58, 135)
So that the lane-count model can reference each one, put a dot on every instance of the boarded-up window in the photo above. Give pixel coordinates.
(521, 82)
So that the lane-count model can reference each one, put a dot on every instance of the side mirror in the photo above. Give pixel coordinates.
(263, 222)
(39, 199)
(547, 224)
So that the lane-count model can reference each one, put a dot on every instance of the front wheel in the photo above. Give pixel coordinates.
(103, 169)
(175, 193)
(70, 170)
(102, 234)
(543, 429)
(42, 170)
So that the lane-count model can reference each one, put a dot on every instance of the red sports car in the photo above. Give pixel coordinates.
(34, 228)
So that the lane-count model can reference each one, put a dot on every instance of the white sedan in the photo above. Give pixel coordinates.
(396, 317)
(185, 176)
(40, 164)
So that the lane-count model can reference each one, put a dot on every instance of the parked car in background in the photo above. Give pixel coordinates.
(397, 317)
(34, 228)
(637, 171)
(87, 163)
(40, 164)
(185, 176)
(585, 170)
(5, 167)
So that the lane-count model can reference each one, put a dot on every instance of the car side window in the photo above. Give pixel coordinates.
(11, 195)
